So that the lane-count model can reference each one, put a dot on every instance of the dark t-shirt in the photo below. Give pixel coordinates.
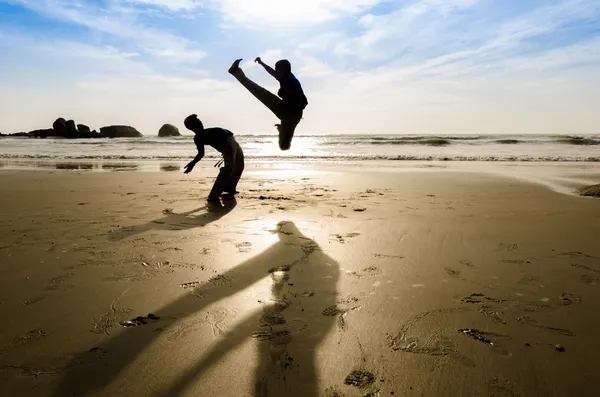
(291, 93)
(216, 137)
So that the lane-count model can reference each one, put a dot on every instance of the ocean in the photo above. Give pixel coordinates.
(313, 148)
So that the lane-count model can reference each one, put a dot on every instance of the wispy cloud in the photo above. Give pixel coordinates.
(113, 19)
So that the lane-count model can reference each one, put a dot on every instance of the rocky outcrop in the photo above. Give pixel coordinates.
(62, 128)
(119, 131)
(590, 191)
(71, 129)
(83, 129)
(168, 130)
(42, 133)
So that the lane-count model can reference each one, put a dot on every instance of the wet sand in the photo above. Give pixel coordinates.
(322, 281)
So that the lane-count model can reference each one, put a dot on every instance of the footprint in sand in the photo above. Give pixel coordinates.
(333, 392)
(360, 379)
(244, 247)
(590, 279)
(515, 261)
(466, 262)
(342, 237)
(452, 272)
(422, 334)
(491, 339)
(33, 300)
(569, 299)
(139, 321)
(528, 279)
(388, 256)
(501, 387)
(24, 340)
(59, 281)
(534, 323)
(509, 247)
(215, 281)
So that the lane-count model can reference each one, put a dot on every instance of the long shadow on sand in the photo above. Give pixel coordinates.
(198, 217)
(288, 328)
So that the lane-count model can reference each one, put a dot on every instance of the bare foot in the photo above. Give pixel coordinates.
(235, 66)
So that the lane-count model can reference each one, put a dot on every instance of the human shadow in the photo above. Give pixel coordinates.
(178, 221)
(289, 328)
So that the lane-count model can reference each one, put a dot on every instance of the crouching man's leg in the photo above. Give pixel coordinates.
(225, 173)
(238, 169)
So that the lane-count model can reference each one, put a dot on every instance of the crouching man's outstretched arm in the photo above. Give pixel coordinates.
(191, 164)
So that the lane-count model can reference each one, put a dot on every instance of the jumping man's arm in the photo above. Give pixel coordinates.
(269, 69)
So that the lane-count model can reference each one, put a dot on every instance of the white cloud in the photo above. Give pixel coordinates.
(290, 13)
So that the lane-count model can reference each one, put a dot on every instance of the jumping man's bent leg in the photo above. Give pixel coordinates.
(286, 131)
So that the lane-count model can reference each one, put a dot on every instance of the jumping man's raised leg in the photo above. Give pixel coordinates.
(270, 100)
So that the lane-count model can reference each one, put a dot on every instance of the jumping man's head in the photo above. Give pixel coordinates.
(283, 68)
(192, 123)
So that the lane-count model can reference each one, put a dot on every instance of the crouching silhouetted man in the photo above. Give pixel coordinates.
(224, 142)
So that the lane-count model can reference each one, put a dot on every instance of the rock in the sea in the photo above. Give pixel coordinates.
(60, 127)
(83, 129)
(42, 133)
(593, 191)
(71, 129)
(119, 131)
(168, 130)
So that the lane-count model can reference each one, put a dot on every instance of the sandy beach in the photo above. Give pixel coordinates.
(316, 281)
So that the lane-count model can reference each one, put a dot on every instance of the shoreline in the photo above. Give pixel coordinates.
(563, 177)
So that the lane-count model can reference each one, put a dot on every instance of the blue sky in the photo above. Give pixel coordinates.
(367, 66)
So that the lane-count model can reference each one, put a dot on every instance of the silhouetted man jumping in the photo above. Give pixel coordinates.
(223, 141)
(290, 103)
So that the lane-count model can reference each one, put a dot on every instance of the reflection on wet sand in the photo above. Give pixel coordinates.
(74, 166)
(169, 167)
(120, 166)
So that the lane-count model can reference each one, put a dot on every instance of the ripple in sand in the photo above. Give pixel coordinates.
(585, 267)
(576, 254)
(59, 365)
